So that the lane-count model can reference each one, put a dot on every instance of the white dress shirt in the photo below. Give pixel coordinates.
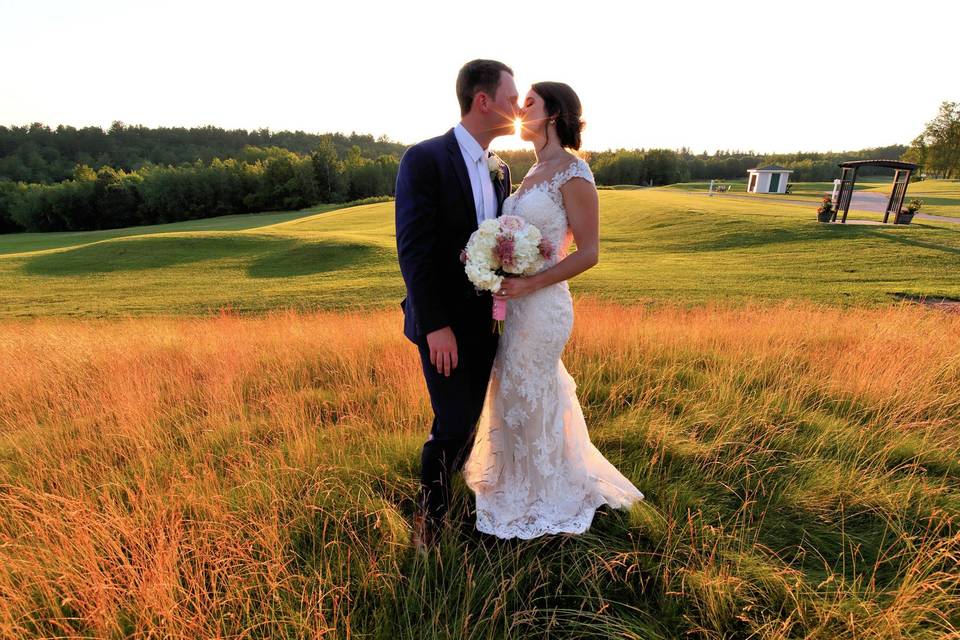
(475, 157)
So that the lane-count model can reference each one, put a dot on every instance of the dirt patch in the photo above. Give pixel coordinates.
(937, 302)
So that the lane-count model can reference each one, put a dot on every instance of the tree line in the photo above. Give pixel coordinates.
(657, 167)
(78, 179)
(667, 166)
(37, 153)
(259, 179)
(937, 148)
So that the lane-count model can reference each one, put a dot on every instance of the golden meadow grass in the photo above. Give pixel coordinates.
(253, 477)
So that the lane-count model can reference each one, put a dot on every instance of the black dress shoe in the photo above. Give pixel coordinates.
(424, 533)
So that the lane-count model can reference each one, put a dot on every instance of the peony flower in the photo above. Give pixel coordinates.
(546, 249)
(512, 223)
(504, 251)
(489, 226)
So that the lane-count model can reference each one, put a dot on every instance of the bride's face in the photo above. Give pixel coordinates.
(533, 117)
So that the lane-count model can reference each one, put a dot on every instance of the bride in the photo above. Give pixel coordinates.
(532, 466)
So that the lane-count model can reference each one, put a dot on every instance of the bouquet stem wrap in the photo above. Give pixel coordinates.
(499, 314)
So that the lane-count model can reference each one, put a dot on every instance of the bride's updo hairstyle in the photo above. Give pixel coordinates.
(562, 105)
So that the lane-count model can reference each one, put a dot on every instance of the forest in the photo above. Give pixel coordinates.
(70, 179)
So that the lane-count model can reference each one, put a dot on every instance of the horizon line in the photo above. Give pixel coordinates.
(387, 139)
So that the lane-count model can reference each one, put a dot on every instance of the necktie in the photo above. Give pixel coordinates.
(486, 187)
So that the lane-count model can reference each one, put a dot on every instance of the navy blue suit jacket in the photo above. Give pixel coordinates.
(435, 215)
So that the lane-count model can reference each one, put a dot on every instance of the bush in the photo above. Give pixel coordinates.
(9, 193)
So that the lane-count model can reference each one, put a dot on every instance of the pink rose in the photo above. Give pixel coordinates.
(510, 223)
(546, 248)
(463, 256)
(504, 251)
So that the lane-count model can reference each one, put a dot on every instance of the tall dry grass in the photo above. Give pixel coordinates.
(251, 477)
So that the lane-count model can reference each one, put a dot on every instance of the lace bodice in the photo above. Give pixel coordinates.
(542, 206)
(532, 466)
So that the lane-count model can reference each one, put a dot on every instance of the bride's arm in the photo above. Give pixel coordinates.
(583, 217)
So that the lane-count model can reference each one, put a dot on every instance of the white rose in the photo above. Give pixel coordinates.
(493, 163)
(473, 272)
(532, 270)
(488, 227)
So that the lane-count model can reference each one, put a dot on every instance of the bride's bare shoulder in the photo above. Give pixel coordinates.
(562, 163)
(569, 158)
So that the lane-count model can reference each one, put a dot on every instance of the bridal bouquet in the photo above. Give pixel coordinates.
(505, 245)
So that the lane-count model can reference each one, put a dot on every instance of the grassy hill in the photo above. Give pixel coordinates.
(659, 245)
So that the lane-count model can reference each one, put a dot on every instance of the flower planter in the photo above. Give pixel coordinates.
(904, 217)
(825, 211)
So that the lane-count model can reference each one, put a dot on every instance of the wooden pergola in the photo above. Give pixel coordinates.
(848, 177)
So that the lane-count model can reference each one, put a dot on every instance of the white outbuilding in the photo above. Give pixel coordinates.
(769, 179)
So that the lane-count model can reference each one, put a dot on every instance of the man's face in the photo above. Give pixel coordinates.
(504, 107)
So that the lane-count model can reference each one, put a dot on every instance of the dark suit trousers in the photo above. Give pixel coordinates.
(457, 403)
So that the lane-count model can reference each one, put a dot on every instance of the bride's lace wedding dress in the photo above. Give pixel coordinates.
(532, 466)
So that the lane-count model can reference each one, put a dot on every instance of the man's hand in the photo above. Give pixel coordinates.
(443, 350)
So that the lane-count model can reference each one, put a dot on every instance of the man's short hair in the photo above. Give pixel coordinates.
(478, 75)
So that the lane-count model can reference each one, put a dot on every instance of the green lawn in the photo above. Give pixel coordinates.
(800, 191)
(657, 245)
(735, 185)
(940, 197)
(28, 242)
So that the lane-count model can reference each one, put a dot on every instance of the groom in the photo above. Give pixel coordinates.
(446, 186)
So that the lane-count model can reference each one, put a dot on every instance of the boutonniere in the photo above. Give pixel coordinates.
(495, 165)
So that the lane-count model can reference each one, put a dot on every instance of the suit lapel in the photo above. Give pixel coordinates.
(460, 169)
(498, 190)
(502, 188)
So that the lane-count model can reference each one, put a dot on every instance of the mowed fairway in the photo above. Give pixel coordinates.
(212, 429)
(658, 245)
(940, 197)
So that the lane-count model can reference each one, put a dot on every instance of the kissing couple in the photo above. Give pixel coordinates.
(506, 413)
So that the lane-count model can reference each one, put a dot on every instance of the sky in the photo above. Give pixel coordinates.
(764, 76)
